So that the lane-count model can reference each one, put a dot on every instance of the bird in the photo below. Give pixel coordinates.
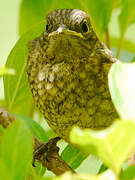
(67, 70)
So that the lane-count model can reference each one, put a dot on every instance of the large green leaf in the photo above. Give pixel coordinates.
(34, 11)
(4, 172)
(122, 88)
(112, 145)
(17, 94)
(16, 151)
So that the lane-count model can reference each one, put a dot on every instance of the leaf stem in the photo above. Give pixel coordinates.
(119, 45)
(117, 177)
(107, 37)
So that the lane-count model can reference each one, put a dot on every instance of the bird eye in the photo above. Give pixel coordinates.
(47, 27)
(85, 27)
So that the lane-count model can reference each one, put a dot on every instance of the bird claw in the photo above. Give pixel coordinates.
(45, 150)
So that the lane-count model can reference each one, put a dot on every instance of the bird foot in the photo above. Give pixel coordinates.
(46, 151)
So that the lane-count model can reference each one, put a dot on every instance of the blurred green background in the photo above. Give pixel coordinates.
(9, 11)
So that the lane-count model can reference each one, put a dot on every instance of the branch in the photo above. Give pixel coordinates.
(50, 158)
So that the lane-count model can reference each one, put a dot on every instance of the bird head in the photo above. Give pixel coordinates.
(70, 30)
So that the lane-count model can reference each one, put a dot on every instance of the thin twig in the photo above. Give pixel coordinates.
(52, 161)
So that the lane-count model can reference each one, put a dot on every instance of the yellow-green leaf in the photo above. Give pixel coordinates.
(112, 145)
(122, 88)
(4, 70)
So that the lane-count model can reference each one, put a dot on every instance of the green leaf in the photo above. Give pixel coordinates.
(35, 128)
(133, 59)
(4, 172)
(100, 12)
(112, 145)
(17, 93)
(34, 11)
(4, 70)
(72, 156)
(91, 165)
(122, 88)
(127, 15)
(2, 130)
(31, 13)
(45, 178)
(102, 169)
(16, 150)
(108, 175)
(38, 171)
(127, 45)
(128, 173)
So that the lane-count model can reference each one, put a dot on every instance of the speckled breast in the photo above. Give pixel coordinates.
(72, 94)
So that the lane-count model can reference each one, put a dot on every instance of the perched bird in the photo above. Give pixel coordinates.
(67, 72)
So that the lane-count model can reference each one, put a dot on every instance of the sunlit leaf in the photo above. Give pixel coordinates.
(112, 145)
(122, 88)
(108, 175)
(4, 70)
(91, 165)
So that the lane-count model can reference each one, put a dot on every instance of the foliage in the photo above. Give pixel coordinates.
(113, 145)
(122, 88)
(16, 157)
(4, 71)
(108, 145)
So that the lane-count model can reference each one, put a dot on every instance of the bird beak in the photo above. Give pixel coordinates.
(63, 30)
